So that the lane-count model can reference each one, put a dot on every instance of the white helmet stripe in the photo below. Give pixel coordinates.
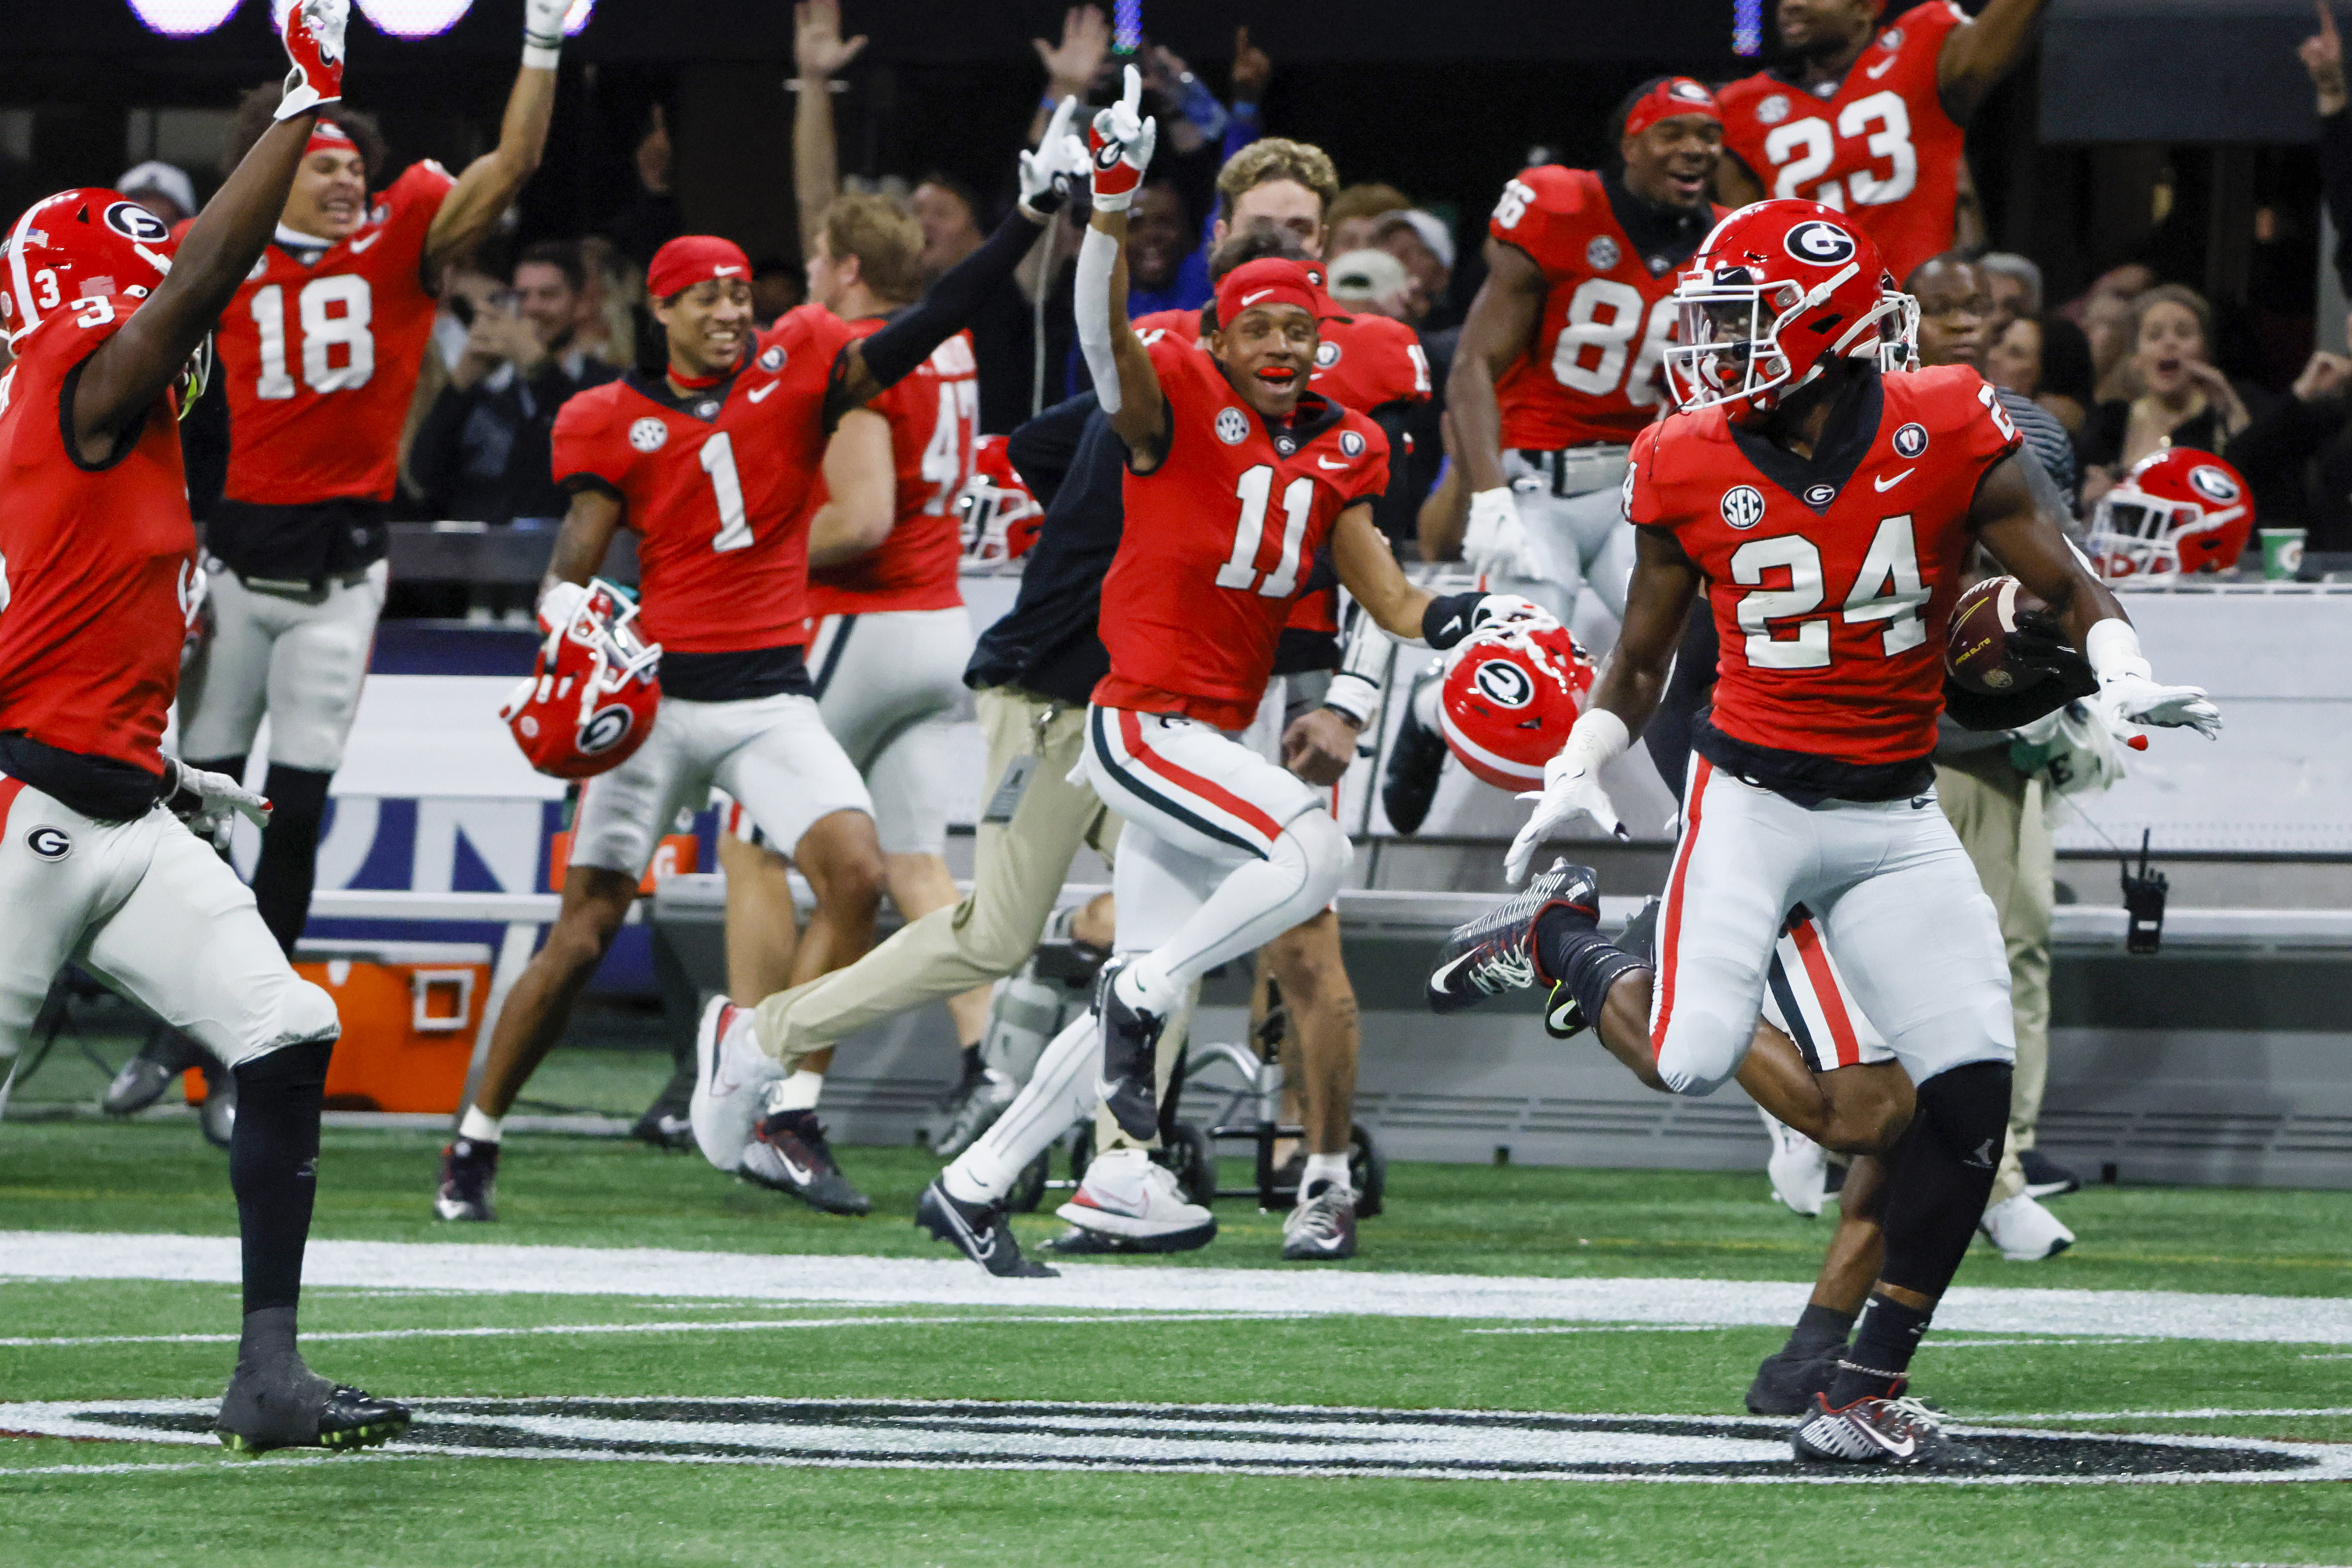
(25, 314)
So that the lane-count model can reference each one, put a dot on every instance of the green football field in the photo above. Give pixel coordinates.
(644, 1362)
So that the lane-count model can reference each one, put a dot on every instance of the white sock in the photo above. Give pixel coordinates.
(1322, 1168)
(476, 1128)
(798, 1091)
(1060, 1092)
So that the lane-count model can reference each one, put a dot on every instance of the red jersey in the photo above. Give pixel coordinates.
(934, 416)
(1592, 372)
(1831, 585)
(715, 485)
(321, 360)
(1219, 538)
(1878, 146)
(97, 565)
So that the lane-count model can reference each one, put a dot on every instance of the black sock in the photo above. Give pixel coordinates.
(973, 1065)
(1874, 1366)
(273, 1167)
(1818, 1329)
(288, 867)
(1574, 954)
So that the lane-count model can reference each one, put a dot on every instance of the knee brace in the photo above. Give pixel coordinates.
(1939, 1175)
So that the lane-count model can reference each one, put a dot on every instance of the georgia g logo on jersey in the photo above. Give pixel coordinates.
(1820, 243)
(49, 843)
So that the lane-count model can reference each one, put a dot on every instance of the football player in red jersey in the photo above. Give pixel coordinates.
(1812, 781)
(319, 355)
(98, 577)
(1559, 366)
(714, 464)
(1871, 121)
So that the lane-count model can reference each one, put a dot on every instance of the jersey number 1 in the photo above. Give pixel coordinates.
(1256, 487)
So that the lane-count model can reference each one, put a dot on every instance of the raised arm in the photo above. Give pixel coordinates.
(819, 52)
(1978, 53)
(1126, 384)
(491, 182)
(1501, 324)
(122, 380)
(861, 485)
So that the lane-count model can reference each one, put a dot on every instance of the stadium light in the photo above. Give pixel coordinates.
(414, 18)
(1747, 27)
(182, 18)
(577, 17)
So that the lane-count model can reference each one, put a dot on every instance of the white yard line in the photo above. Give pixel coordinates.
(844, 1282)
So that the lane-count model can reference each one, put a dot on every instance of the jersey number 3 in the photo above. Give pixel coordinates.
(1887, 588)
(334, 314)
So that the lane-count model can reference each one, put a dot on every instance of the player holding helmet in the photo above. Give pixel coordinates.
(714, 463)
(1869, 120)
(98, 557)
(1812, 781)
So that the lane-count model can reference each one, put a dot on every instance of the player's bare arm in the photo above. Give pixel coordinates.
(1501, 324)
(1657, 602)
(581, 543)
(861, 490)
(819, 52)
(491, 182)
(1735, 184)
(1976, 55)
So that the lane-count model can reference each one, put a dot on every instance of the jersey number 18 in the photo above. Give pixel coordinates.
(334, 313)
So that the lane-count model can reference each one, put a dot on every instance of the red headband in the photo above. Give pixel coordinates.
(1270, 280)
(1674, 96)
(694, 258)
(326, 136)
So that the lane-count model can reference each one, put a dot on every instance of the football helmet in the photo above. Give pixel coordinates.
(1777, 290)
(1000, 514)
(589, 701)
(78, 245)
(1511, 694)
(2177, 510)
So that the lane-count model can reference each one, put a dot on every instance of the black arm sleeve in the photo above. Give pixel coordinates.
(1396, 511)
(954, 299)
(1042, 448)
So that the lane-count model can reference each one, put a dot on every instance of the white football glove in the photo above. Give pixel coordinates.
(1120, 144)
(1496, 609)
(1496, 543)
(560, 606)
(1059, 161)
(1571, 789)
(209, 802)
(542, 31)
(2130, 698)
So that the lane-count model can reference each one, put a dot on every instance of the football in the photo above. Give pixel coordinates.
(1975, 647)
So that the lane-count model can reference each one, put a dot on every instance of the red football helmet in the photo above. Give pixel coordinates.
(2177, 510)
(1778, 290)
(589, 701)
(1000, 514)
(1510, 697)
(78, 245)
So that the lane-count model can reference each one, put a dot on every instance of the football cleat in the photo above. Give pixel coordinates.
(1496, 952)
(1785, 1382)
(469, 1171)
(139, 1084)
(980, 1231)
(789, 1152)
(1130, 1040)
(1322, 1228)
(1896, 1432)
(216, 1117)
(2045, 1178)
(1129, 1196)
(2025, 1231)
(1799, 1167)
(729, 1072)
(971, 1109)
(667, 1122)
(288, 1405)
(1416, 762)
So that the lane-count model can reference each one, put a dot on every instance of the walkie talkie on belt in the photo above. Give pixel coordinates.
(2144, 903)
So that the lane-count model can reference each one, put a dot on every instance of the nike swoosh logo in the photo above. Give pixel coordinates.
(725, 271)
(1104, 1088)
(1881, 68)
(1445, 971)
(359, 245)
(1557, 1015)
(762, 392)
(982, 1247)
(1249, 300)
(1322, 462)
(1903, 1450)
(1883, 486)
(794, 1172)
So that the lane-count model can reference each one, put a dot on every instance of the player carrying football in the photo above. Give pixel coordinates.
(98, 577)
(1812, 778)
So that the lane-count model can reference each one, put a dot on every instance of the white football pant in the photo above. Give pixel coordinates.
(1576, 525)
(890, 686)
(301, 664)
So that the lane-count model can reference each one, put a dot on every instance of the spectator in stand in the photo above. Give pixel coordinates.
(776, 287)
(2047, 359)
(652, 218)
(161, 188)
(1425, 244)
(1374, 282)
(2183, 400)
(2013, 284)
(1358, 212)
(1956, 328)
(610, 304)
(482, 453)
(2104, 314)
(945, 207)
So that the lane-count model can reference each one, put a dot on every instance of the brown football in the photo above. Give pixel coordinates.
(1976, 647)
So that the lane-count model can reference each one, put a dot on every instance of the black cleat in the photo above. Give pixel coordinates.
(1130, 1040)
(1496, 952)
(1901, 1433)
(299, 1409)
(1416, 761)
(469, 1171)
(970, 1108)
(980, 1231)
(1563, 1019)
(2044, 1177)
(789, 1152)
(1786, 1384)
(144, 1079)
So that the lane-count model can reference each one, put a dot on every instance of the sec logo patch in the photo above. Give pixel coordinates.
(1911, 440)
(1351, 443)
(1233, 426)
(1602, 254)
(1326, 354)
(1743, 506)
(49, 843)
(648, 435)
(1773, 109)
(771, 358)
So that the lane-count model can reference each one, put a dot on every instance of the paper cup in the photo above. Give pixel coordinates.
(2281, 554)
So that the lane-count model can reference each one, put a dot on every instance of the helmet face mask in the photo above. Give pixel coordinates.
(1000, 517)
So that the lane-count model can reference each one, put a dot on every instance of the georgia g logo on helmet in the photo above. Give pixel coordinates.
(134, 222)
(1820, 243)
(2213, 484)
(605, 728)
(1503, 683)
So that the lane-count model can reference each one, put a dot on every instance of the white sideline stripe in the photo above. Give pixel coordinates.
(219, 1466)
(843, 1281)
(739, 1326)
(2209, 1413)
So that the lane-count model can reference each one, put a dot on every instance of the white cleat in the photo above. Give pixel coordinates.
(729, 1071)
(2025, 1231)
(1127, 1196)
(1800, 1168)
